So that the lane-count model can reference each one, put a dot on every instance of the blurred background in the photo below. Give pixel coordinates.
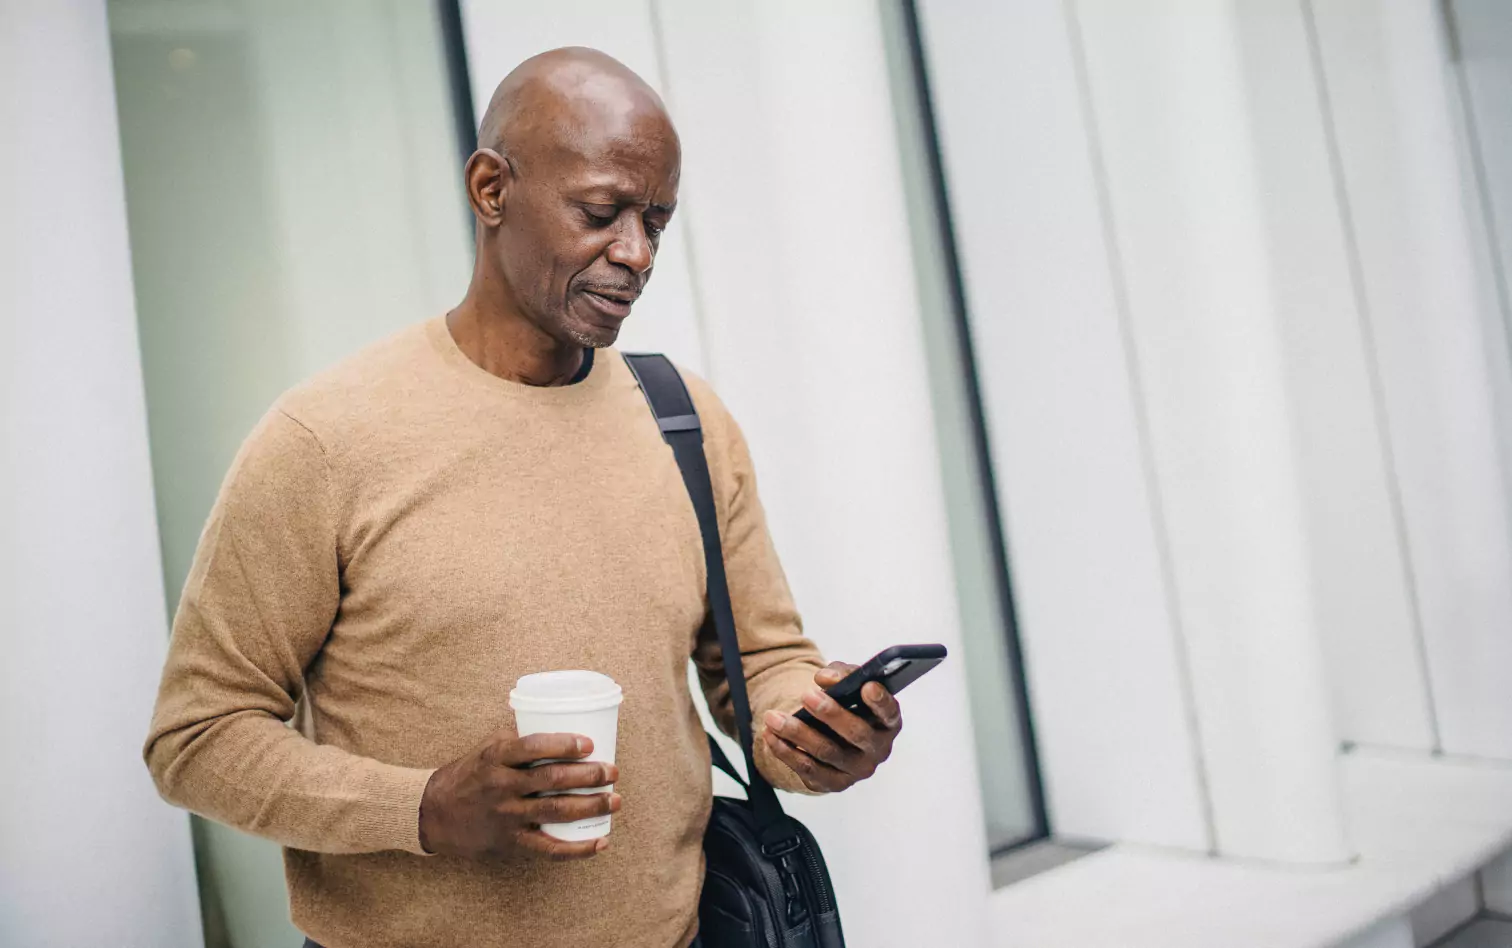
(1153, 355)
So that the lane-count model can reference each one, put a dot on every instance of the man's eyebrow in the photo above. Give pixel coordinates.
(667, 209)
(611, 194)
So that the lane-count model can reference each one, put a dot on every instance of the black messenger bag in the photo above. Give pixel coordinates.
(765, 883)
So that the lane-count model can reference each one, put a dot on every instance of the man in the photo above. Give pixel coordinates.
(469, 501)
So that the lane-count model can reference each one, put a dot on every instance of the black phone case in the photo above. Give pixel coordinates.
(847, 693)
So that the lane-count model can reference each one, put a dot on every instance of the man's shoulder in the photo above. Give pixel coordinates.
(720, 427)
(705, 400)
(371, 380)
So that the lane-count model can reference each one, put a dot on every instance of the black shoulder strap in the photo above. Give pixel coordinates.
(678, 419)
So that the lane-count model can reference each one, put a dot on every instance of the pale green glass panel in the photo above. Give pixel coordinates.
(293, 191)
(1004, 761)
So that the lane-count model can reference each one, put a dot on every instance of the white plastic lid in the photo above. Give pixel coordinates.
(565, 692)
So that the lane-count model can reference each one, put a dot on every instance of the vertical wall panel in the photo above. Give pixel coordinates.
(800, 228)
(1012, 788)
(1380, 676)
(1223, 209)
(1103, 655)
(88, 853)
(1483, 41)
(1441, 348)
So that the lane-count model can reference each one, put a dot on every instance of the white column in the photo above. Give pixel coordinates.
(88, 853)
(1239, 309)
(1112, 707)
(1441, 341)
(797, 217)
(1197, 499)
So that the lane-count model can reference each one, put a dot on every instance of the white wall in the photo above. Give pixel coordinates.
(1220, 206)
(813, 334)
(1200, 244)
(1229, 276)
(1446, 384)
(1111, 703)
(1136, 288)
(88, 854)
(793, 214)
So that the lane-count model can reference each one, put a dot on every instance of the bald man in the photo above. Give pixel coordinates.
(474, 499)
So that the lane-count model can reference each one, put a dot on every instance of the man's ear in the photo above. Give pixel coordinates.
(487, 178)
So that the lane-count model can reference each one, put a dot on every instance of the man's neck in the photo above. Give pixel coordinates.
(512, 347)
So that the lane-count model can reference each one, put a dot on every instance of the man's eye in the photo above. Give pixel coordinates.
(654, 229)
(599, 216)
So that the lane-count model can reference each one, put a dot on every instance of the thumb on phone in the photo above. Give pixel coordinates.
(833, 674)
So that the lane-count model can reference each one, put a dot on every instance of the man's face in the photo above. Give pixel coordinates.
(581, 225)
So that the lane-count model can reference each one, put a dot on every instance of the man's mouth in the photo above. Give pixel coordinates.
(615, 303)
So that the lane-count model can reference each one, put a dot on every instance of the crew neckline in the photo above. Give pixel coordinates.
(574, 392)
(584, 369)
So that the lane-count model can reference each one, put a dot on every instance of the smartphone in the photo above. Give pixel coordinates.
(894, 669)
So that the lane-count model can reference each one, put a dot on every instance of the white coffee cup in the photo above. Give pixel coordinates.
(571, 702)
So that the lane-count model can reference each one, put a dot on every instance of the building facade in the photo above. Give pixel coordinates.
(1153, 356)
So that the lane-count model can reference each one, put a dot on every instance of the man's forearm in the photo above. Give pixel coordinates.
(248, 770)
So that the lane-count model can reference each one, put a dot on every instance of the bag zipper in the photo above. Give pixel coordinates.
(823, 898)
(758, 919)
(777, 877)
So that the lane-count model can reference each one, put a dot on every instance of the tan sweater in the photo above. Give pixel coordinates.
(398, 541)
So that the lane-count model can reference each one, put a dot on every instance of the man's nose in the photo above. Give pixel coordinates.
(632, 248)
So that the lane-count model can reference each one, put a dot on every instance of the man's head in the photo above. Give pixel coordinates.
(574, 179)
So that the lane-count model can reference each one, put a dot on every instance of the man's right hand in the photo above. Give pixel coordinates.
(484, 804)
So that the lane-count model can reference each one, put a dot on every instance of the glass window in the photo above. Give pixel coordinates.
(294, 191)
(1482, 31)
(1007, 766)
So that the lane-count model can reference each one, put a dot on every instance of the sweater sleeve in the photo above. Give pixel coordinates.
(257, 607)
(779, 661)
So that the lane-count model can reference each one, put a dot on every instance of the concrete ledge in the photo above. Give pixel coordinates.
(1484, 933)
(1419, 823)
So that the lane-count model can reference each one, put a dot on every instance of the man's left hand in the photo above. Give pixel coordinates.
(823, 764)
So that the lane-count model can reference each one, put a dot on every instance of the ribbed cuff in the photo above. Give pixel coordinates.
(785, 694)
(390, 814)
(778, 774)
